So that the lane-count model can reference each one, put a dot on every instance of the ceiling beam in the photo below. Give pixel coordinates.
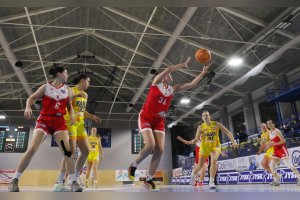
(254, 20)
(32, 13)
(47, 41)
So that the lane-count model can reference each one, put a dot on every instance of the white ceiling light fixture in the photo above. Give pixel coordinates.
(235, 62)
(185, 101)
(2, 117)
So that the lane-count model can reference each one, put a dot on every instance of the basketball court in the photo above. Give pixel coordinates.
(136, 95)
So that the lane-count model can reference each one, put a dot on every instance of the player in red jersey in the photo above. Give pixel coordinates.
(55, 99)
(280, 153)
(152, 118)
(197, 149)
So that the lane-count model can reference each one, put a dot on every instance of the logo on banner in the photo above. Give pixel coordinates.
(173, 181)
(233, 178)
(222, 178)
(296, 158)
(287, 176)
(226, 165)
(182, 180)
(245, 177)
(268, 178)
(257, 177)
(187, 180)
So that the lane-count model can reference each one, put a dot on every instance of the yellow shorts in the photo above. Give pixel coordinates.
(77, 130)
(269, 152)
(205, 149)
(93, 155)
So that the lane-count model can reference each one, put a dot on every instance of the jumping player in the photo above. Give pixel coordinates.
(152, 118)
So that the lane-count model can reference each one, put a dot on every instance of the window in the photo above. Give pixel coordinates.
(268, 111)
(238, 121)
(137, 142)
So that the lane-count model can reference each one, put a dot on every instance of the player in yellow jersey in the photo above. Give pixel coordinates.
(77, 133)
(94, 157)
(264, 139)
(210, 145)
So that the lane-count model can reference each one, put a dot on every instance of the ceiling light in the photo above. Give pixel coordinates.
(16, 129)
(2, 117)
(235, 61)
(185, 101)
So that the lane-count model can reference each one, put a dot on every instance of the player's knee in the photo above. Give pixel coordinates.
(264, 165)
(159, 149)
(66, 149)
(32, 150)
(213, 160)
(273, 166)
(85, 151)
(288, 163)
(150, 146)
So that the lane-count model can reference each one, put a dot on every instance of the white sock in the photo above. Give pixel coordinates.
(211, 179)
(149, 177)
(61, 177)
(17, 175)
(72, 177)
(135, 165)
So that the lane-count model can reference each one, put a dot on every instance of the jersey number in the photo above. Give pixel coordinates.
(162, 100)
(57, 105)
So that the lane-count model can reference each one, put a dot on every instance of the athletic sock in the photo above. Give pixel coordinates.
(17, 175)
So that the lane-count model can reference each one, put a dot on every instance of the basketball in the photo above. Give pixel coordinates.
(203, 56)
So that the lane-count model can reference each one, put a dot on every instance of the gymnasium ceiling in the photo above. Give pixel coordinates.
(103, 42)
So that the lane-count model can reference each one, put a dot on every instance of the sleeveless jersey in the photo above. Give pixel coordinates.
(275, 138)
(210, 134)
(54, 101)
(79, 105)
(158, 100)
(265, 137)
(93, 143)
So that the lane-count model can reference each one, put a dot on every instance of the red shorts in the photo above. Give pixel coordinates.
(281, 152)
(197, 149)
(51, 124)
(149, 122)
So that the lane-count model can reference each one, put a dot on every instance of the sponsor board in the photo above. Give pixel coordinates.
(244, 177)
(177, 172)
(222, 178)
(257, 176)
(6, 175)
(226, 165)
(295, 156)
(243, 169)
(233, 178)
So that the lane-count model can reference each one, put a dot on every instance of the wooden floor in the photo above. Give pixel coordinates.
(176, 188)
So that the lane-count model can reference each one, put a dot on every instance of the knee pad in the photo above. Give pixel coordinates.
(288, 163)
(66, 152)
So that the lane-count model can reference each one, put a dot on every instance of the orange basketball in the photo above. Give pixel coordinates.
(203, 56)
